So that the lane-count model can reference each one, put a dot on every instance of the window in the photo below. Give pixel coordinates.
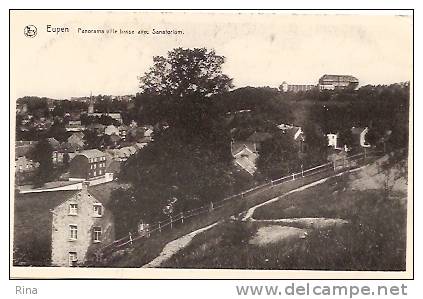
(73, 232)
(73, 259)
(94, 173)
(99, 172)
(73, 209)
(98, 209)
(97, 234)
(95, 166)
(95, 159)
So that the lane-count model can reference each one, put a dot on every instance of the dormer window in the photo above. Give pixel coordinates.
(98, 210)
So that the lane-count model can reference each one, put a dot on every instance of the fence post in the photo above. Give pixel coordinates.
(242, 195)
(171, 226)
(182, 217)
(211, 207)
(271, 182)
(130, 238)
(160, 228)
(293, 176)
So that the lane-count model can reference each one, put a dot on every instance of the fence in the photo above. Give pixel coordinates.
(337, 164)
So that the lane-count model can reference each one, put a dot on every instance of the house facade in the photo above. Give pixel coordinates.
(332, 82)
(62, 228)
(80, 225)
(88, 164)
(285, 87)
(333, 140)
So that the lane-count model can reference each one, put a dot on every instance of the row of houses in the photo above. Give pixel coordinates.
(245, 153)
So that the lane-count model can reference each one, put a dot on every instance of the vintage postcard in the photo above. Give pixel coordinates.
(211, 144)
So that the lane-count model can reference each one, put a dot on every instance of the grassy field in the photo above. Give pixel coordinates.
(374, 238)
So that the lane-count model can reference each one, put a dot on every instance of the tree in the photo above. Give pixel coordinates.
(123, 205)
(346, 137)
(316, 145)
(190, 160)
(58, 131)
(186, 73)
(42, 153)
(278, 156)
(66, 160)
(181, 86)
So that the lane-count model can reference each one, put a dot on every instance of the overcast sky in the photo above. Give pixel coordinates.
(260, 49)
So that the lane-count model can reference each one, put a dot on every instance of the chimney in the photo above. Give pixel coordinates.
(85, 186)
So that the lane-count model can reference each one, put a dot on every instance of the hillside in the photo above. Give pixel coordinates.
(341, 224)
(291, 226)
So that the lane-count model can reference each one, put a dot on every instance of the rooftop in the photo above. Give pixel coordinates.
(339, 78)
(91, 153)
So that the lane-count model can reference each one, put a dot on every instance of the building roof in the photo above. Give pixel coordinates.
(238, 146)
(115, 115)
(48, 185)
(337, 78)
(123, 127)
(53, 142)
(23, 150)
(77, 134)
(247, 163)
(96, 127)
(69, 147)
(91, 153)
(103, 192)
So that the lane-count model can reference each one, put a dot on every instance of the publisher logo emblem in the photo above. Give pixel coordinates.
(30, 31)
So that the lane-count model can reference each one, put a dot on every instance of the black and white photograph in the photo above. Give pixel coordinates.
(229, 143)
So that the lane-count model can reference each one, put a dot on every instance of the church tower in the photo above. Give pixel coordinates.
(91, 106)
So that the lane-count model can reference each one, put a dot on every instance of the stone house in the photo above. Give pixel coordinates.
(62, 228)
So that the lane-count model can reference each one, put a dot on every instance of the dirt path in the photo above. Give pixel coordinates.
(308, 222)
(251, 211)
(174, 246)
